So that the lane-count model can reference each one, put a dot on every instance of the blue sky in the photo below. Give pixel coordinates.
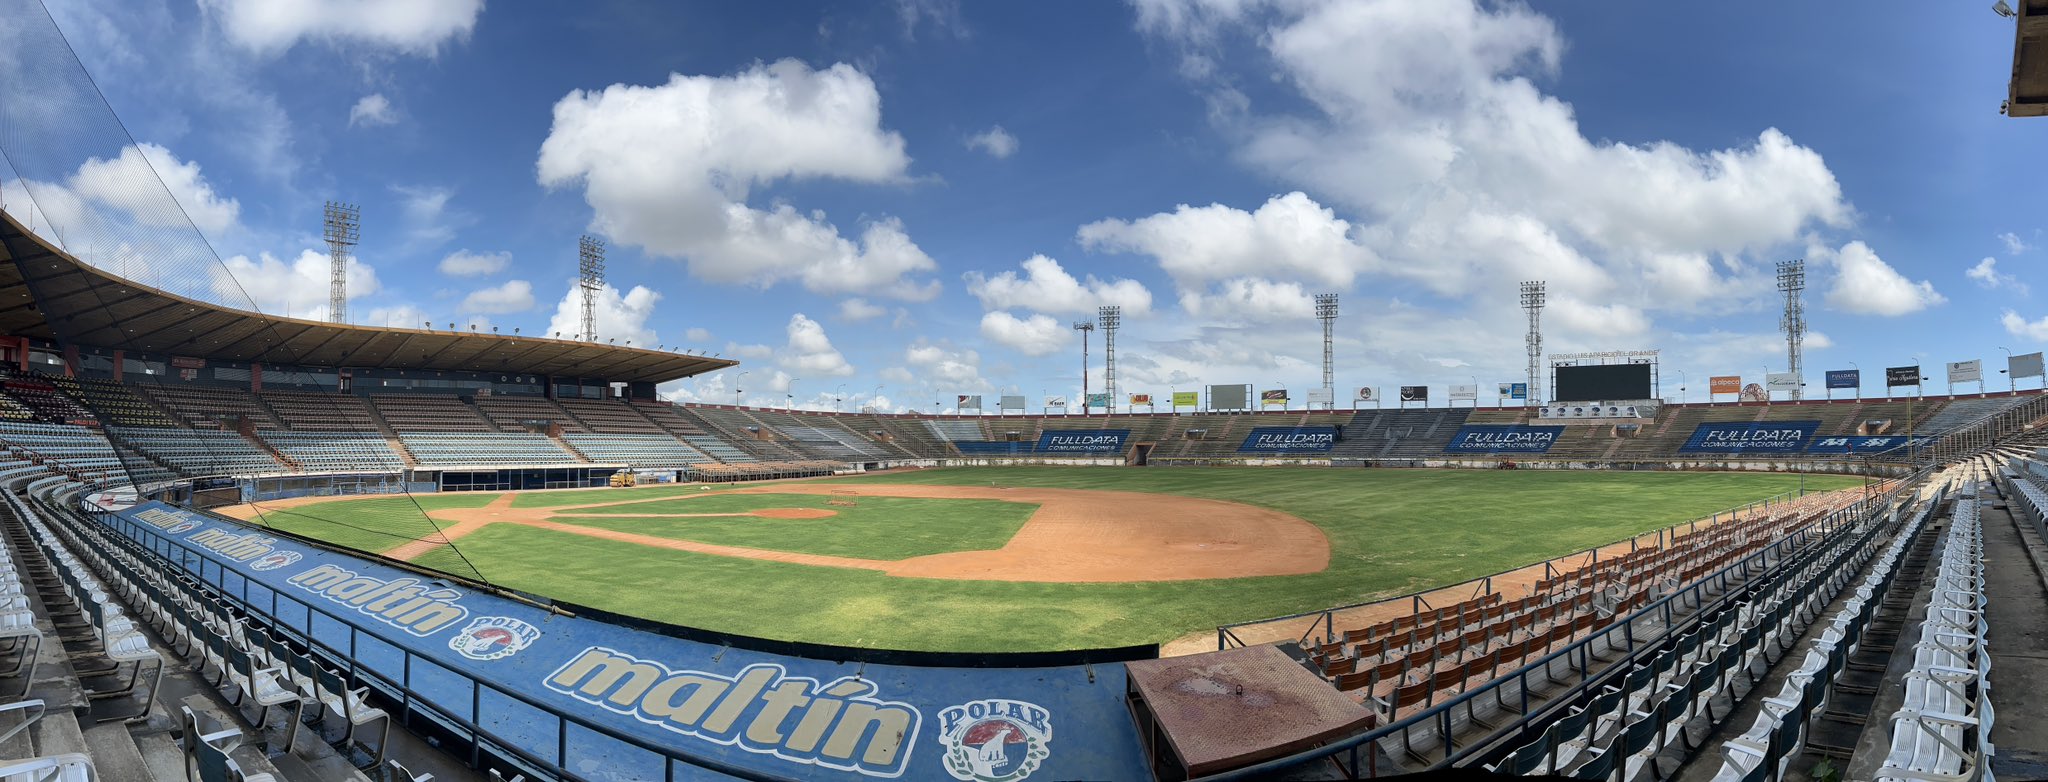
(915, 199)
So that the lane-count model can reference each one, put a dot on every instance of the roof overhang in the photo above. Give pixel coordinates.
(2028, 94)
(47, 293)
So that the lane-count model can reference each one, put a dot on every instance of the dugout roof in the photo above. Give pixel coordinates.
(48, 294)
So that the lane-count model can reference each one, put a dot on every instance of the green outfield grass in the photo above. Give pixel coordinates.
(1391, 532)
(873, 528)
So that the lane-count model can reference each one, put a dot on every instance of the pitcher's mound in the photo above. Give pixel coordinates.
(793, 513)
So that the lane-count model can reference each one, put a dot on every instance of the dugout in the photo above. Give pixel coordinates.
(522, 479)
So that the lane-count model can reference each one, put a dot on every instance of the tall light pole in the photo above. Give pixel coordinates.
(1792, 280)
(839, 396)
(590, 278)
(1111, 317)
(789, 392)
(1681, 386)
(342, 226)
(1533, 296)
(1086, 327)
(1326, 311)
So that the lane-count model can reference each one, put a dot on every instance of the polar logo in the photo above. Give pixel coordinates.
(493, 638)
(274, 560)
(995, 740)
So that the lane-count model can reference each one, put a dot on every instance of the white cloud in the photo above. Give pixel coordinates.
(1289, 237)
(371, 111)
(513, 296)
(2017, 326)
(810, 351)
(996, 141)
(1048, 288)
(1986, 273)
(619, 317)
(698, 335)
(1250, 300)
(403, 316)
(738, 350)
(1419, 122)
(126, 184)
(463, 263)
(669, 168)
(2013, 244)
(298, 288)
(407, 26)
(1866, 285)
(429, 221)
(857, 309)
(1037, 335)
(944, 16)
(940, 366)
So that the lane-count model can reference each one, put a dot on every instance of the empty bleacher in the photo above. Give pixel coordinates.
(205, 408)
(609, 416)
(310, 411)
(521, 413)
(638, 450)
(428, 413)
(199, 452)
(336, 451)
(484, 449)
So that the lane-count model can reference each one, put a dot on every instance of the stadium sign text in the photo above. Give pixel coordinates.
(403, 603)
(1083, 441)
(1284, 439)
(838, 725)
(1855, 445)
(1772, 436)
(1504, 438)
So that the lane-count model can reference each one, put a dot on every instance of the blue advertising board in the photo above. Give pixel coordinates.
(1289, 439)
(1750, 437)
(1859, 445)
(1083, 440)
(1845, 378)
(1504, 438)
(771, 714)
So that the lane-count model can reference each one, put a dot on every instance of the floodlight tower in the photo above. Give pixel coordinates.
(1111, 316)
(1792, 280)
(1532, 301)
(343, 226)
(1326, 311)
(1085, 327)
(590, 277)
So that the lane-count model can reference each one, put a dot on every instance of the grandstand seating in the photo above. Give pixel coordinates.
(1964, 411)
(199, 452)
(335, 451)
(609, 416)
(320, 412)
(202, 408)
(49, 404)
(478, 449)
(519, 413)
(638, 450)
(114, 402)
(428, 413)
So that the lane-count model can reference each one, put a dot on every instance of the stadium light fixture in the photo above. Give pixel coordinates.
(2003, 9)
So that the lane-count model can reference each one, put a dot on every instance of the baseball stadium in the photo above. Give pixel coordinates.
(245, 546)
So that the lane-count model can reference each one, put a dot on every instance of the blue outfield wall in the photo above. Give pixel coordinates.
(1289, 439)
(510, 668)
(1504, 438)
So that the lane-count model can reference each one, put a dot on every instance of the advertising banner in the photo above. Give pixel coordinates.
(1271, 398)
(1749, 437)
(968, 402)
(1141, 399)
(1289, 439)
(1781, 382)
(1415, 393)
(1321, 396)
(1901, 376)
(1845, 378)
(1366, 394)
(1504, 438)
(2025, 365)
(1056, 401)
(1971, 371)
(771, 715)
(1098, 400)
(1185, 399)
(1466, 392)
(1724, 384)
(1514, 390)
(1859, 445)
(1083, 441)
(1011, 402)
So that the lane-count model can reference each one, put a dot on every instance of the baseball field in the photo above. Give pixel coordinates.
(1018, 558)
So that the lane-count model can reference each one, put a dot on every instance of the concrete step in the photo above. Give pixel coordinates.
(115, 756)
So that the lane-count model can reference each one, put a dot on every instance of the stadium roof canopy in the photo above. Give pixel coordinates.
(46, 293)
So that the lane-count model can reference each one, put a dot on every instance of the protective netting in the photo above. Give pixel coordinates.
(73, 176)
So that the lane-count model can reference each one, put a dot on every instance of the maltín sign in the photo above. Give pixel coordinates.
(1771, 437)
(1504, 438)
(1289, 439)
(1083, 441)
